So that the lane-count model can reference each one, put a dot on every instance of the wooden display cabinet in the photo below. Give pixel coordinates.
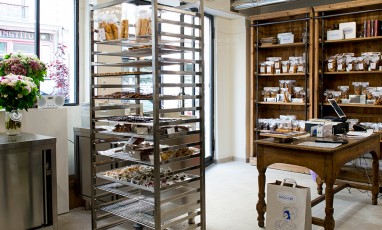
(263, 26)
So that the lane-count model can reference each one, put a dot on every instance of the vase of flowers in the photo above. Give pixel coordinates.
(20, 77)
(24, 65)
(17, 92)
(13, 122)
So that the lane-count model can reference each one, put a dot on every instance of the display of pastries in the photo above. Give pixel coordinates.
(174, 154)
(144, 175)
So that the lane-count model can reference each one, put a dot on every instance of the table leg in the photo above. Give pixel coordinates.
(329, 210)
(319, 185)
(375, 188)
(261, 205)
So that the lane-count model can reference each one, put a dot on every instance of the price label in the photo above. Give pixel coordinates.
(171, 130)
(102, 34)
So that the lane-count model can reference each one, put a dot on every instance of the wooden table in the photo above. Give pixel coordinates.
(325, 162)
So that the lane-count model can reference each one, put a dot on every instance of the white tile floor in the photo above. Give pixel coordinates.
(231, 195)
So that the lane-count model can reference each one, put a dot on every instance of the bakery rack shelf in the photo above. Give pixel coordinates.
(119, 74)
(133, 210)
(125, 191)
(143, 52)
(122, 98)
(147, 107)
(188, 179)
(115, 106)
(163, 122)
(119, 154)
(291, 45)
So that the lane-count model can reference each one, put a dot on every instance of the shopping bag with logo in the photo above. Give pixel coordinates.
(288, 206)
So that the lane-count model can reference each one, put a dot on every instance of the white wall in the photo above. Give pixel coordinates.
(223, 92)
(231, 89)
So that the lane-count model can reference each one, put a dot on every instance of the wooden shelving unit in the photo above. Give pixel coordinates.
(269, 25)
(325, 18)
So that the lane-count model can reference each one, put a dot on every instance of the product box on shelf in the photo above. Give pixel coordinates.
(349, 29)
(285, 38)
(334, 35)
(357, 99)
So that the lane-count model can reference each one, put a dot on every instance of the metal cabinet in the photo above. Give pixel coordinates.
(28, 198)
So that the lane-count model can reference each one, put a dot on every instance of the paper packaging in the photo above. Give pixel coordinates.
(334, 35)
(357, 99)
(285, 38)
(288, 206)
(349, 29)
(324, 130)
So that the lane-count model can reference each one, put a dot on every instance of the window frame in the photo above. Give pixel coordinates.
(75, 45)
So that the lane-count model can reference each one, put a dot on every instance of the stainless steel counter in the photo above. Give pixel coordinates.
(28, 181)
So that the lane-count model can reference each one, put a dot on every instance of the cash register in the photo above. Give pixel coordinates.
(339, 124)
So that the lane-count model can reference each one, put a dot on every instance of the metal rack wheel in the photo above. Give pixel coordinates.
(138, 226)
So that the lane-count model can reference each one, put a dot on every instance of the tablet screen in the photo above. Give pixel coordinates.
(337, 108)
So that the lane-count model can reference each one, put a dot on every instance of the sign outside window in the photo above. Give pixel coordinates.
(24, 35)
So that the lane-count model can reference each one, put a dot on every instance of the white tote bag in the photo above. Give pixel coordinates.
(288, 206)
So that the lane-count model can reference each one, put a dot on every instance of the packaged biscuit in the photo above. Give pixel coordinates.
(285, 66)
(377, 98)
(143, 26)
(270, 67)
(369, 92)
(344, 91)
(276, 64)
(284, 95)
(301, 65)
(328, 94)
(298, 92)
(357, 88)
(374, 62)
(293, 64)
(124, 32)
(108, 27)
(337, 96)
(341, 63)
(361, 64)
(332, 64)
(270, 93)
(263, 67)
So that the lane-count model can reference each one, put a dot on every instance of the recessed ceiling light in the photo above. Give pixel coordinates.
(245, 4)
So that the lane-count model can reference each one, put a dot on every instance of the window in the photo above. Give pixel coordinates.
(57, 43)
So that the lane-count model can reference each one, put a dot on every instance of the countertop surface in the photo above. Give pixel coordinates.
(24, 140)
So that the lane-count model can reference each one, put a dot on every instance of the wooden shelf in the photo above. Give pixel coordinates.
(281, 74)
(282, 103)
(353, 72)
(357, 105)
(296, 44)
(354, 40)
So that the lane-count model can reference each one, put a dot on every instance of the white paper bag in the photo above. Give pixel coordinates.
(288, 206)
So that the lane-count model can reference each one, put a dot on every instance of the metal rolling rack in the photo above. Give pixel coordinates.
(181, 203)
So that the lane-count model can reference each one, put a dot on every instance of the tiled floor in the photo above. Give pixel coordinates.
(231, 194)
